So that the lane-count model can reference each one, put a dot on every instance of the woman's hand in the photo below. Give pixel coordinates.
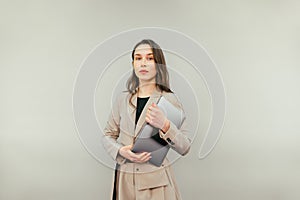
(126, 152)
(157, 118)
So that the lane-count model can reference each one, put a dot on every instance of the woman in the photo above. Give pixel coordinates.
(135, 177)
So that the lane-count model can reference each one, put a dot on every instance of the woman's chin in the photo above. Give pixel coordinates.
(147, 79)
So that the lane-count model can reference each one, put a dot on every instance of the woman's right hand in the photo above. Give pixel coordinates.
(126, 152)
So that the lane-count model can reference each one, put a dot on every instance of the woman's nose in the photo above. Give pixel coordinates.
(144, 61)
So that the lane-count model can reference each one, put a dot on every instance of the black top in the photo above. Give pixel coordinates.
(141, 102)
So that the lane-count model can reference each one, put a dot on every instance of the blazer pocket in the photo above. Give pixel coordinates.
(151, 180)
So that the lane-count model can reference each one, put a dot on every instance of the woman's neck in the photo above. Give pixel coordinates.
(146, 90)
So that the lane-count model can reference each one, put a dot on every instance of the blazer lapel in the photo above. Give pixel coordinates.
(154, 97)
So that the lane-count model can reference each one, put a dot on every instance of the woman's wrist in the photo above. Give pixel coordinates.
(166, 126)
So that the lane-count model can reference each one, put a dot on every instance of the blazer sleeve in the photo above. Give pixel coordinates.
(178, 138)
(112, 131)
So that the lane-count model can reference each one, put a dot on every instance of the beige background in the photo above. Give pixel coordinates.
(254, 43)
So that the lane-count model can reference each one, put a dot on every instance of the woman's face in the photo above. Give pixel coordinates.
(143, 63)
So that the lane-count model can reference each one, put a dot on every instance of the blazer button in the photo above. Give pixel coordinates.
(137, 169)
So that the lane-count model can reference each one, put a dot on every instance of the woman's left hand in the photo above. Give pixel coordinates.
(156, 117)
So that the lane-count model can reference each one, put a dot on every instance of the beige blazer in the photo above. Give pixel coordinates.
(121, 130)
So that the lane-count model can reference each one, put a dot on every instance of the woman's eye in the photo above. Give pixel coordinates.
(137, 58)
(150, 58)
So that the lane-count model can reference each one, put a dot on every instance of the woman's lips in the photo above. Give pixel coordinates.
(143, 71)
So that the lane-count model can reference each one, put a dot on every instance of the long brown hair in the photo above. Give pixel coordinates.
(162, 75)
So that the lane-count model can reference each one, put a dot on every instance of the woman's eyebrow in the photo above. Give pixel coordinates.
(149, 54)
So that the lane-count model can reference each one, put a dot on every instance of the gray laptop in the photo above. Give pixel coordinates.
(149, 140)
